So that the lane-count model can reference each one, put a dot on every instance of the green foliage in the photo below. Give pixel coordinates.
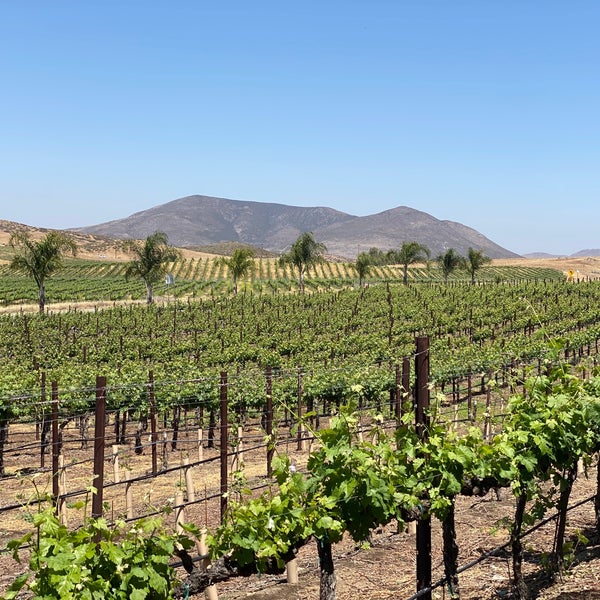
(98, 561)
(476, 329)
(449, 262)
(96, 281)
(474, 261)
(353, 486)
(363, 266)
(271, 526)
(239, 264)
(304, 253)
(549, 426)
(410, 253)
(367, 483)
(350, 487)
(357, 479)
(150, 259)
(450, 460)
(40, 259)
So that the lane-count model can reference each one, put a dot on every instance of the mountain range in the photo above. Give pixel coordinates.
(205, 220)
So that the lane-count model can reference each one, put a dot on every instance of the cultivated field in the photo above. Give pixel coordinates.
(312, 354)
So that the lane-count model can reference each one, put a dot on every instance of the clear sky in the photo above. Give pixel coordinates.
(485, 112)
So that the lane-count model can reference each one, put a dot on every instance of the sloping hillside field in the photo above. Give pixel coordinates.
(200, 276)
(515, 399)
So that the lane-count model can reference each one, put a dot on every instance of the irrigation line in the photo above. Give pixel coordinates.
(495, 551)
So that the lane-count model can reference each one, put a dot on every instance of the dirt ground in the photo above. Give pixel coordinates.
(88, 246)
(582, 267)
(386, 570)
(382, 571)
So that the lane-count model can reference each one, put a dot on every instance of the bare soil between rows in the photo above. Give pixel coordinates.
(386, 569)
(383, 570)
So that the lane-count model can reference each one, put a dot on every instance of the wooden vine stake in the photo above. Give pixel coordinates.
(62, 474)
(422, 423)
(115, 461)
(99, 432)
(301, 434)
(179, 512)
(55, 444)
(240, 446)
(200, 447)
(62, 490)
(469, 397)
(165, 451)
(153, 433)
(238, 457)
(487, 425)
(398, 391)
(291, 569)
(128, 496)
(189, 481)
(44, 422)
(210, 593)
(223, 451)
(269, 422)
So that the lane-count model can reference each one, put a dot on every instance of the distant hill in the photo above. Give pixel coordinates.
(390, 228)
(594, 252)
(228, 248)
(205, 221)
(580, 254)
(88, 246)
(540, 255)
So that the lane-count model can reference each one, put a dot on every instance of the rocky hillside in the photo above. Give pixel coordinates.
(205, 220)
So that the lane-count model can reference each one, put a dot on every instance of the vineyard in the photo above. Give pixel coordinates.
(85, 280)
(369, 465)
(510, 401)
(473, 329)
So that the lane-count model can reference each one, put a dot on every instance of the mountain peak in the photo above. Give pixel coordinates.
(202, 220)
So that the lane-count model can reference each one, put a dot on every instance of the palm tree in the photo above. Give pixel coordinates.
(40, 259)
(474, 261)
(304, 253)
(150, 259)
(449, 262)
(363, 266)
(240, 264)
(410, 253)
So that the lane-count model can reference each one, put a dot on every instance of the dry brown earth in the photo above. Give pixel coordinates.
(386, 569)
(588, 266)
(88, 246)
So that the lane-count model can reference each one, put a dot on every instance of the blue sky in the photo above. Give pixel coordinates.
(478, 111)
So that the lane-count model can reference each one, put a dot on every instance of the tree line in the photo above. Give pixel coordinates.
(413, 252)
(150, 259)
